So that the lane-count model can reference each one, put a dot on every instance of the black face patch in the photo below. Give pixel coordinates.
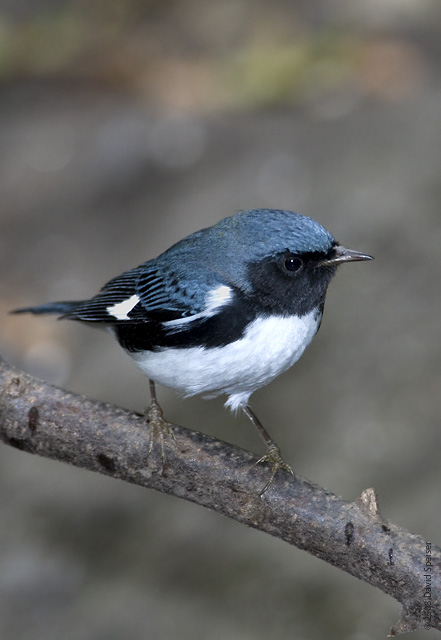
(290, 284)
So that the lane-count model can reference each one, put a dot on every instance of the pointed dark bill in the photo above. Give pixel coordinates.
(341, 254)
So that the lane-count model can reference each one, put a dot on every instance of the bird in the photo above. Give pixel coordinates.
(223, 311)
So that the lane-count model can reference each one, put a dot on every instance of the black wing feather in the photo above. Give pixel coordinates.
(161, 298)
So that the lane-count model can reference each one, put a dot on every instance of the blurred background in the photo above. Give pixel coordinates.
(127, 124)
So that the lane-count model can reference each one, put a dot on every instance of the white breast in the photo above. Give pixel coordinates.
(268, 348)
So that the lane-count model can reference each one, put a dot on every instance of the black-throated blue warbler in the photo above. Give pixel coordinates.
(223, 311)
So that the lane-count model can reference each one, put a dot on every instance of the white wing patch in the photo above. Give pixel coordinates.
(121, 309)
(216, 298)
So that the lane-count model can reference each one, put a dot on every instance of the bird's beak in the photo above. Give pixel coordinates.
(341, 254)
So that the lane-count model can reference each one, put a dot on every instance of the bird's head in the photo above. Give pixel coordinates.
(282, 259)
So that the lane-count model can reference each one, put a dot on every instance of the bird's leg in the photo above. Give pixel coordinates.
(159, 426)
(273, 455)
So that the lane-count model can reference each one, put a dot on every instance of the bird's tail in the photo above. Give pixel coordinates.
(57, 308)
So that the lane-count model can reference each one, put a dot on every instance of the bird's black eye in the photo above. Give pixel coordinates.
(293, 263)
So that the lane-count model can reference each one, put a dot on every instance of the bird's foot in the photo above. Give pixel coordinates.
(273, 458)
(158, 429)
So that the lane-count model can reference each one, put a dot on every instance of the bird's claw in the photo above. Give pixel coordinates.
(273, 458)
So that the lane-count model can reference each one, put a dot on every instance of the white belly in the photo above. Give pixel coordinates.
(268, 348)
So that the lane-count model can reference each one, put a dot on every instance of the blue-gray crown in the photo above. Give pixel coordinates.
(274, 230)
(250, 236)
(222, 253)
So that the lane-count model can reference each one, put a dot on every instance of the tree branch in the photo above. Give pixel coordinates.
(41, 419)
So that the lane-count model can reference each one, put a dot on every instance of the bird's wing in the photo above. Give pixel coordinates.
(146, 293)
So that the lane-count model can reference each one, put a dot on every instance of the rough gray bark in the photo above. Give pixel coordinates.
(41, 419)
